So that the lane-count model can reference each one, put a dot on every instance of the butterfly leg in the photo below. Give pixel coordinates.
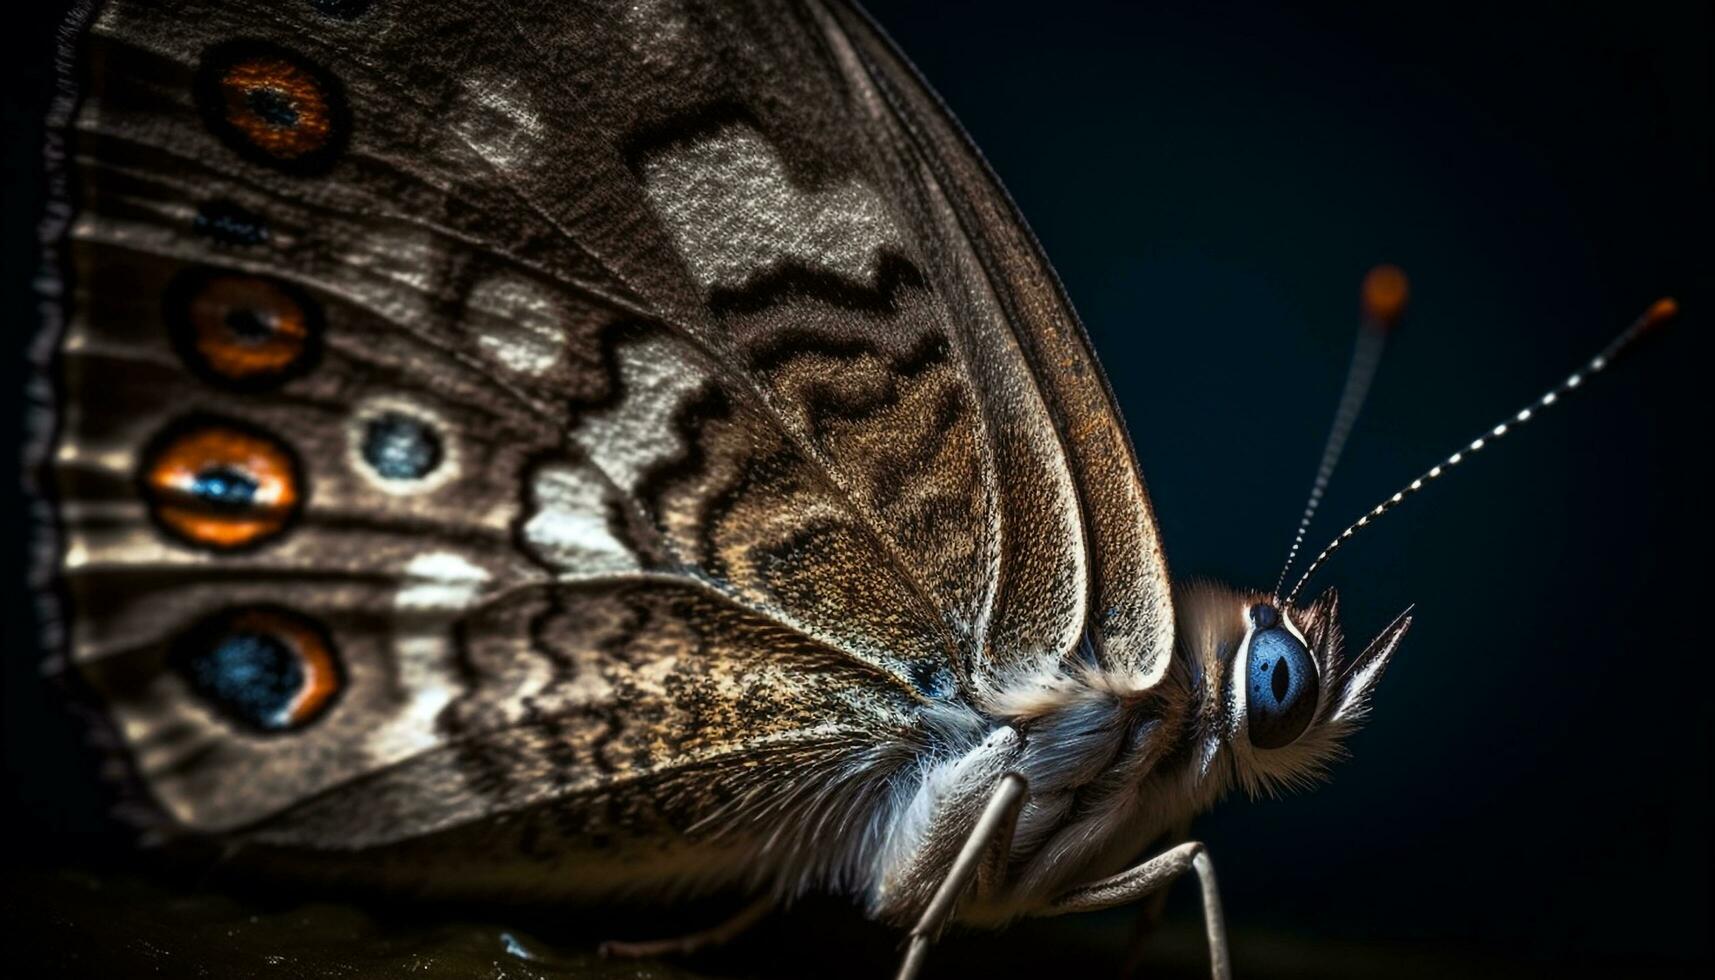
(1151, 909)
(984, 853)
(1150, 876)
(691, 942)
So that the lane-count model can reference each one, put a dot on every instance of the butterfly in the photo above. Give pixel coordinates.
(564, 450)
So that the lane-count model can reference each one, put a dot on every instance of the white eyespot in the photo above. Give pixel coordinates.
(440, 580)
(493, 117)
(435, 588)
(518, 324)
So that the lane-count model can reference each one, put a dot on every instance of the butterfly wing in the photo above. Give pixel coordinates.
(466, 409)
(1000, 279)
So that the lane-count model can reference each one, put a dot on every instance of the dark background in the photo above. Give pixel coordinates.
(1211, 182)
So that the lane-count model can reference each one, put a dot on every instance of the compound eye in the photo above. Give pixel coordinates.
(1281, 687)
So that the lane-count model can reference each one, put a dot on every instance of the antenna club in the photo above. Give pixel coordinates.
(1385, 291)
(1660, 312)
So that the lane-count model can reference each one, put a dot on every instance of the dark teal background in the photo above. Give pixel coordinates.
(1211, 182)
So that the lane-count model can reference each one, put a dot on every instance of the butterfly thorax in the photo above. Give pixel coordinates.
(1113, 772)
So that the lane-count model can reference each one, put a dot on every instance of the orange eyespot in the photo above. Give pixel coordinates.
(241, 331)
(220, 484)
(272, 105)
(266, 667)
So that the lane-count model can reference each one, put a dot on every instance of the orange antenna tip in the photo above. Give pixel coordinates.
(1384, 294)
(1661, 311)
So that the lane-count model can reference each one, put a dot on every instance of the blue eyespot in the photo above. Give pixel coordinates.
(264, 668)
(252, 675)
(229, 224)
(1281, 688)
(224, 486)
(399, 447)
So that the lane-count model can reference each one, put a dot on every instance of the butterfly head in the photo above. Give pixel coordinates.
(1276, 694)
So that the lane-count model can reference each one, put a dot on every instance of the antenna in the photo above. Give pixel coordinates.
(1384, 294)
(1659, 313)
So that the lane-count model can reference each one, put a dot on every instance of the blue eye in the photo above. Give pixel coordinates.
(1281, 688)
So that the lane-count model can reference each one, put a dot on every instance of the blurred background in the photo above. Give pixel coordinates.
(1532, 795)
